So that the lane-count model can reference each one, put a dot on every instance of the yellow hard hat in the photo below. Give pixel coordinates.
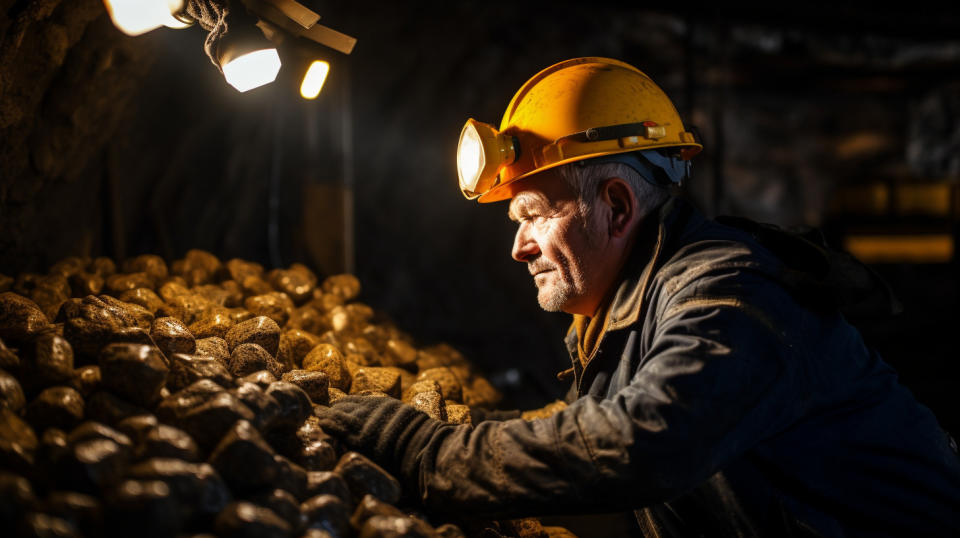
(574, 110)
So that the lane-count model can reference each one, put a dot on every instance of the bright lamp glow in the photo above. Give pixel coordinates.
(313, 79)
(470, 158)
(175, 23)
(135, 17)
(253, 69)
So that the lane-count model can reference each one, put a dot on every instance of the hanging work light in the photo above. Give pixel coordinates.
(135, 17)
(252, 69)
(313, 79)
(240, 35)
(247, 58)
(305, 65)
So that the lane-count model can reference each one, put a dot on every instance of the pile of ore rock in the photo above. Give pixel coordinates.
(182, 400)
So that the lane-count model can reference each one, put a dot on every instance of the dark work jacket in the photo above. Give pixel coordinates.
(716, 404)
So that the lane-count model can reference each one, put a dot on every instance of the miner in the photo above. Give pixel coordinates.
(717, 389)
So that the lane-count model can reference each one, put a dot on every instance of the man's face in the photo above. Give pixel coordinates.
(558, 248)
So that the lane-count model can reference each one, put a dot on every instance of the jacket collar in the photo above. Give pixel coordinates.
(624, 306)
(651, 249)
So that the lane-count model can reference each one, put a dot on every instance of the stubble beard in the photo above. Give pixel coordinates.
(555, 298)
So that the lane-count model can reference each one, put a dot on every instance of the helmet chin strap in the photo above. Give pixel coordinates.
(653, 166)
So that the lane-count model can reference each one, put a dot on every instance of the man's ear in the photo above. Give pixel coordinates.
(619, 197)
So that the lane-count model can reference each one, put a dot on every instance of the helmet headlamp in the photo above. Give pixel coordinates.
(481, 155)
(577, 110)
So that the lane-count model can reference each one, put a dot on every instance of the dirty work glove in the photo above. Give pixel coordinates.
(390, 432)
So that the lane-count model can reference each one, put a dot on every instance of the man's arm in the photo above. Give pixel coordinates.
(715, 382)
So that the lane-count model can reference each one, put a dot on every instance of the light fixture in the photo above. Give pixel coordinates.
(136, 17)
(247, 58)
(252, 69)
(314, 78)
(239, 36)
(305, 64)
(470, 158)
(482, 153)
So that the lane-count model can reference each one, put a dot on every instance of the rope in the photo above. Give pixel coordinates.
(212, 16)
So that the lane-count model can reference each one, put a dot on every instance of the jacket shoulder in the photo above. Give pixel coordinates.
(715, 256)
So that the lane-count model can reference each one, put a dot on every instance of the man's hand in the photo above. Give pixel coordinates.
(387, 430)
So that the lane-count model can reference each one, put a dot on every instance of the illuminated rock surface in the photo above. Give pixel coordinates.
(157, 430)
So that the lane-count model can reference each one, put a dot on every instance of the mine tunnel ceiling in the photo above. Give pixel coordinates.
(834, 48)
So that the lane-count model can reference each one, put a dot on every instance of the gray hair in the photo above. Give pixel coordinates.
(585, 181)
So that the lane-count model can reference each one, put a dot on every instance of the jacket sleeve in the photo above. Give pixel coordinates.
(715, 381)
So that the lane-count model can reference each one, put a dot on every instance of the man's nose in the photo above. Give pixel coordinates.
(525, 248)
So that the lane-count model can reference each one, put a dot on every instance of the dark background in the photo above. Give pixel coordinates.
(112, 145)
